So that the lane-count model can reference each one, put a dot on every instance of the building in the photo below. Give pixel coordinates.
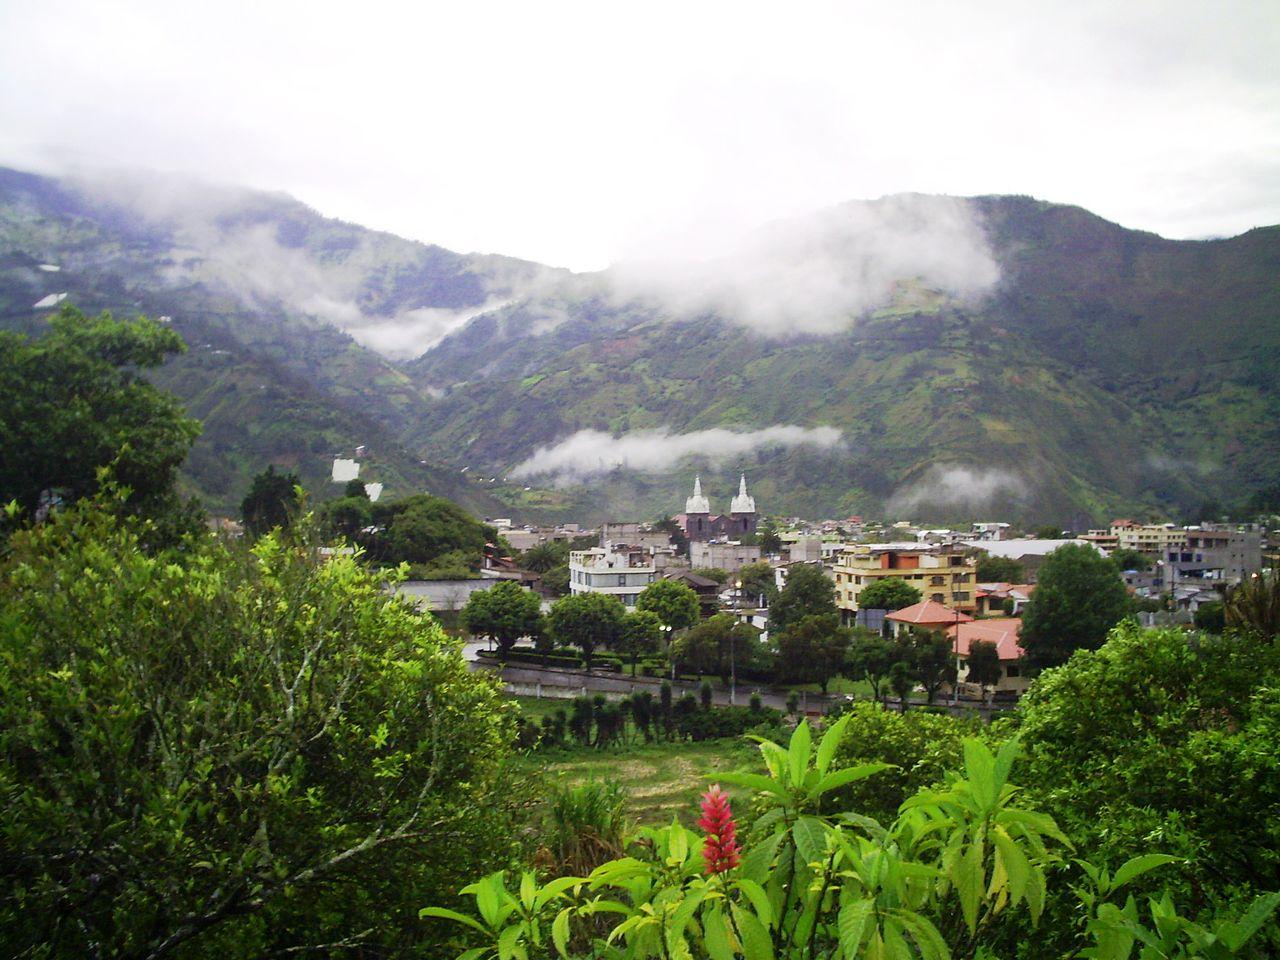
(1029, 552)
(617, 570)
(992, 598)
(925, 615)
(989, 531)
(1003, 633)
(722, 554)
(942, 576)
(1209, 557)
(634, 534)
(708, 590)
(699, 523)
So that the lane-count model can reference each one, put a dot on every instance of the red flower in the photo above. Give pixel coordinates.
(720, 851)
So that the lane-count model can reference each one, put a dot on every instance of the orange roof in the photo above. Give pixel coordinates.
(1002, 632)
(928, 611)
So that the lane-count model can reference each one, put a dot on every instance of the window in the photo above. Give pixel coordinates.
(937, 581)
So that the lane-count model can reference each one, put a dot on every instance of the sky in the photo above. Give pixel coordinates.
(582, 134)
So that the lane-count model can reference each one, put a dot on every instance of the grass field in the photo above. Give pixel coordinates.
(661, 779)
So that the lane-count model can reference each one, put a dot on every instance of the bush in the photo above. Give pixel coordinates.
(587, 823)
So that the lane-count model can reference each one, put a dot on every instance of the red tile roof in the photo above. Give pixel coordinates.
(1002, 632)
(930, 612)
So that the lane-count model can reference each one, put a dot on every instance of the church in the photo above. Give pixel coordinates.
(699, 523)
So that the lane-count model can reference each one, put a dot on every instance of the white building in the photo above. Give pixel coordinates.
(621, 572)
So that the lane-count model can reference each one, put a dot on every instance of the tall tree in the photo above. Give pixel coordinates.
(73, 402)
(983, 664)
(1254, 605)
(640, 634)
(422, 529)
(1079, 596)
(758, 581)
(932, 660)
(891, 593)
(586, 621)
(813, 650)
(808, 593)
(871, 657)
(506, 612)
(722, 646)
(1000, 570)
(272, 501)
(674, 603)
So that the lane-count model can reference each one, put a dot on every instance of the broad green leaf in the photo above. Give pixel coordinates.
(895, 947)
(1015, 864)
(553, 889)
(759, 900)
(810, 837)
(1035, 893)
(926, 936)
(560, 932)
(798, 753)
(605, 906)
(979, 770)
(1004, 762)
(444, 914)
(474, 953)
(1259, 912)
(528, 888)
(752, 781)
(509, 944)
(853, 926)
(755, 865)
(838, 778)
(756, 943)
(1136, 867)
(967, 875)
(830, 743)
(715, 934)
(775, 758)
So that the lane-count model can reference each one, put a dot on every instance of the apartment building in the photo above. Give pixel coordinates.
(942, 576)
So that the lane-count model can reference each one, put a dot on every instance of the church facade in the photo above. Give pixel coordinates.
(699, 523)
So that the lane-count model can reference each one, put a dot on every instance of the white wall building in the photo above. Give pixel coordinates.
(623, 574)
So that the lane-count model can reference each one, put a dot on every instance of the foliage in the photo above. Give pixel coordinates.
(73, 402)
(713, 573)
(587, 825)
(355, 489)
(1211, 617)
(347, 517)
(983, 663)
(556, 580)
(808, 592)
(889, 593)
(542, 557)
(870, 657)
(757, 580)
(932, 661)
(640, 634)
(272, 502)
(423, 529)
(1254, 605)
(768, 538)
(586, 621)
(721, 645)
(230, 752)
(675, 603)
(506, 612)
(1127, 559)
(1048, 531)
(999, 570)
(813, 650)
(1079, 597)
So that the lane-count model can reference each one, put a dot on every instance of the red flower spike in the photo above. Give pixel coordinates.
(720, 851)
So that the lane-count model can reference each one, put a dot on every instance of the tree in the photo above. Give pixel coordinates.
(813, 650)
(1127, 559)
(808, 593)
(422, 529)
(901, 681)
(542, 557)
(506, 612)
(1048, 531)
(870, 657)
(641, 633)
(355, 488)
(586, 621)
(348, 517)
(1000, 570)
(73, 402)
(672, 529)
(720, 645)
(1254, 605)
(891, 593)
(713, 573)
(674, 603)
(758, 581)
(1211, 617)
(767, 535)
(556, 580)
(983, 664)
(218, 751)
(272, 501)
(1079, 597)
(932, 661)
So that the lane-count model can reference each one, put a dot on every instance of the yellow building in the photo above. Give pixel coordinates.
(941, 576)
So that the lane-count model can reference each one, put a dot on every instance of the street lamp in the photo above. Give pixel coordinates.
(733, 648)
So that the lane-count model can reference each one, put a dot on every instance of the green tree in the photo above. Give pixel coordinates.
(1048, 531)
(506, 612)
(348, 517)
(1254, 605)
(1079, 597)
(641, 633)
(757, 581)
(932, 661)
(556, 580)
(713, 573)
(422, 529)
(1000, 570)
(891, 593)
(808, 593)
(355, 488)
(674, 603)
(587, 621)
(1126, 559)
(1211, 617)
(983, 663)
(720, 645)
(813, 650)
(233, 753)
(272, 501)
(767, 536)
(73, 402)
(870, 657)
(542, 557)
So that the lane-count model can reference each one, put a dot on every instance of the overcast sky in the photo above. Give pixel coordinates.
(580, 133)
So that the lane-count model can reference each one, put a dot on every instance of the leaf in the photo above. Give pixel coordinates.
(755, 865)
(1136, 867)
(798, 753)
(1035, 894)
(1259, 912)
(508, 943)
(979, 770)
(553, 889)
(775, 758)
(830, 743)
(838, 778)
(810, 837)
(966, 874)
(444, 914)
(756, 944)
(852, 926)
(528, 888)
(1015, 864)
(715, 934)
(1004, 762)
(926, 936)
(752, 781)
(759, 900)
(560, 932)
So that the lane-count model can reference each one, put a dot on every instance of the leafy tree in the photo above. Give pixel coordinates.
(902, 681)
(422, 528)
(506, 612)
(355, 488)
(757, 580)
(348, 517)
(813, 650)
(674, 603)
(891, 593)
(808, 593)
(999, 570)
(1254, 605)
(932, 660)
(870, 657)
(1211, 617)
(672, 529)
(721, 645)
(587, 621)
(1048, 532)
(768, 538)
(73, 402)
(1126, 559)
(556, 580)
(272, 501)
(713, 573)
(1079, 597)
(983, 663)
(641, 633)
(542, 557)
(233, 753)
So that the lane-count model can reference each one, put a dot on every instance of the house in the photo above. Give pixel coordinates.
(1029, 552)
(728, 555)
(994, 599)
(926, 615)
(1003, 633)
(617, 569)
(708, 590)
(941, 575)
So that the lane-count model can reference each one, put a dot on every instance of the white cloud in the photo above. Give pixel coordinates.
(957, 486)
(590, 453)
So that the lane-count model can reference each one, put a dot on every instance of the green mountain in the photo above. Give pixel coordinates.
(997, 356)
